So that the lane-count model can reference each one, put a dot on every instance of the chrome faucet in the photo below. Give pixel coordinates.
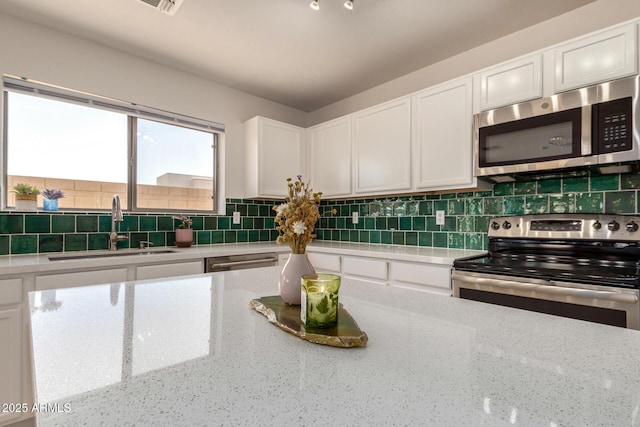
(116, 216)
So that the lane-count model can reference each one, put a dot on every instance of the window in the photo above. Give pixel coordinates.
(175, 167)
(81, 144)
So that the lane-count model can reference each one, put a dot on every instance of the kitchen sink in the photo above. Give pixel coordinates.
(110, 254)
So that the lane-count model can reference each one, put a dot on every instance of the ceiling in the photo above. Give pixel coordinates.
(283, 50)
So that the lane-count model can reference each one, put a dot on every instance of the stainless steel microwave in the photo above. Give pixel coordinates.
(594, 125)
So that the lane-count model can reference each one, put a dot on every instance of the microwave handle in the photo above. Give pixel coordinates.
(588, 144)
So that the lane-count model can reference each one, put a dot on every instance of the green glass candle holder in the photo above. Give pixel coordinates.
(319, 300)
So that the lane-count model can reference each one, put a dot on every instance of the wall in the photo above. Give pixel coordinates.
(54, 57)
(592, 17)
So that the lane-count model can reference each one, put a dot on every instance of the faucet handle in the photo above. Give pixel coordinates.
(144, 244)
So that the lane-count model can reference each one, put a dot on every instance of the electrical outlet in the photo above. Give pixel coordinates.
(236, 217)
(354, 217)
(439, 217)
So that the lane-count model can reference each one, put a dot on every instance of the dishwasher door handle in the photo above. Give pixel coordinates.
(214, 265)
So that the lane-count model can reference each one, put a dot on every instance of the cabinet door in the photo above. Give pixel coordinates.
(382, 143)
(604, 56)
(512, 82)
(422, 277)
(81, 278)
(274, 153)
(10, 362)
(370, 269)
(330, 157)
(169, 270)
(442, 136)
(324, 262)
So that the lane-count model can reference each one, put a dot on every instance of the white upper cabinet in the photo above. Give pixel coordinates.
(607, 55)
(382, 148)
(443, 143)
(329, 148)
(274, 153)
(510, 83)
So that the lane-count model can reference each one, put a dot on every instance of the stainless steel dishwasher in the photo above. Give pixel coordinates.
(240, 262)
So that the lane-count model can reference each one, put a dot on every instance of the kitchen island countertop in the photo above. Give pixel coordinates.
(189, 351)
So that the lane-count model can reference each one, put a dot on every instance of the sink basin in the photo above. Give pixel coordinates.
(110, 254)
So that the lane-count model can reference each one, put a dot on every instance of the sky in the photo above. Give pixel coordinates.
(61, 140)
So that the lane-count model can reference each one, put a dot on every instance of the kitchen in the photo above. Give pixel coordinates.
(191, 95)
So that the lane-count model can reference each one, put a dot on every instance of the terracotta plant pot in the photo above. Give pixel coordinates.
(184, 237)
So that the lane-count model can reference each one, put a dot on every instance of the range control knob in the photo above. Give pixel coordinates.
(506, 225)
(495, 225)
(631, 227)
(597, 225)
(613, 226)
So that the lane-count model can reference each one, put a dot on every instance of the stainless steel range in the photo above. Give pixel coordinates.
(581, 266)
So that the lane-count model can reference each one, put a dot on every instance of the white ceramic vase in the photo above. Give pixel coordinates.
(290, 287)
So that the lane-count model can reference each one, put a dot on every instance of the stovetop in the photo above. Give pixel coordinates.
(610, 272)
(591, 249)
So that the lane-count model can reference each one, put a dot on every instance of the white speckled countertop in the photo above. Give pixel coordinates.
(18, 264)
(189, 351)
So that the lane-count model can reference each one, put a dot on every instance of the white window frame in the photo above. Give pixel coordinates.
(34, 88)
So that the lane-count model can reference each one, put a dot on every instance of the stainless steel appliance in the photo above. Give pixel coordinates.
(583, 266)
(240, 262)
(595, 125)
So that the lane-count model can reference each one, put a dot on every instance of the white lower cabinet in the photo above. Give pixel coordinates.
(80, 278)
(11, 391)
(169, 270)
(369, 269)
(325, 263)
(422, 277)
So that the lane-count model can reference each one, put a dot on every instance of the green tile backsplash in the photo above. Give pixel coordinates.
(45, 232)
(466, 222)
(468, 213)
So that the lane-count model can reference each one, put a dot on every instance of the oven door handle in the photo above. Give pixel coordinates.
(547, 289)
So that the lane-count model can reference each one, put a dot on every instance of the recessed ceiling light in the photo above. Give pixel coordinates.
(315, 5)
(349, 4)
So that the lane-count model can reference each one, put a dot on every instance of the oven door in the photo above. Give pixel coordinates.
(600, 304)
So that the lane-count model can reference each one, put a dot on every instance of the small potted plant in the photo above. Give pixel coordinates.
(184, 233)
(26, 197)
(51, 196)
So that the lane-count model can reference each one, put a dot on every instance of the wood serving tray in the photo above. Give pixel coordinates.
(287, 317)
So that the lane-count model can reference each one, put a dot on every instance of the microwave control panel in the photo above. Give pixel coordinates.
(614, 125)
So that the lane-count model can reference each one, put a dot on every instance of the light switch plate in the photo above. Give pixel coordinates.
(354, 217)
(236, 217)
(439, 217)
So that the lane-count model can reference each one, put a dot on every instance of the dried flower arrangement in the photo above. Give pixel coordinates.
(185, 221)
(297, 216)
(52, 194)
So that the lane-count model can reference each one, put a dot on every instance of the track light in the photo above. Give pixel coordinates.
(315, 5)
(349, 4)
